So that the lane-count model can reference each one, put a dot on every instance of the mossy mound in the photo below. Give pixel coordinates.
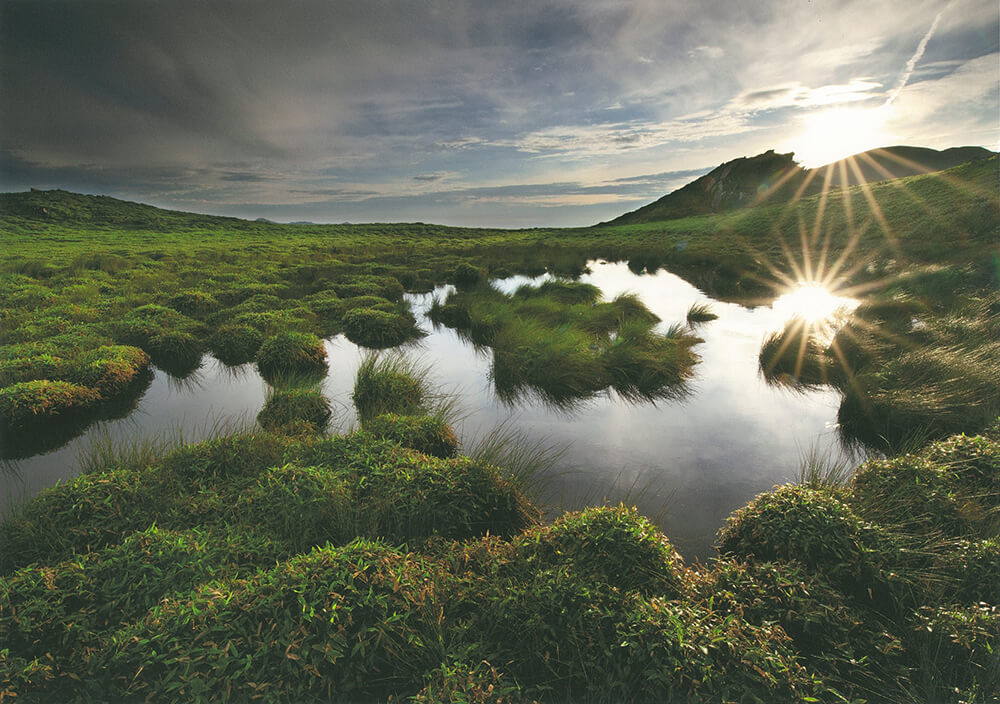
(428, 434)
(30, 402)
(291, 353)
(287, 407)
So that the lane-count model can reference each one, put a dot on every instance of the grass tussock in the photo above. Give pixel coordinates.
(394, 383)
(560, 342)
(295, 408)
(291, 354)
(394, 573)
(700, 313)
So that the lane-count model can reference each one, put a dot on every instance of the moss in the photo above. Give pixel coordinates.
(428, 434)
(30, 402)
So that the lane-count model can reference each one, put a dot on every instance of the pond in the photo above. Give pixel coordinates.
(687, 462)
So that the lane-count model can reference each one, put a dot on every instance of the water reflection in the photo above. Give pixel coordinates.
(688, 462)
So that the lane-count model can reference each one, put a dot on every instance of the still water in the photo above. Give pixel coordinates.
(685, 463)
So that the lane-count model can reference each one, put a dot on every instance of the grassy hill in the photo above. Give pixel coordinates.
(773, 178)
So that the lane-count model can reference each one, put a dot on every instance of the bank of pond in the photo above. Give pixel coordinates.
(289, 565)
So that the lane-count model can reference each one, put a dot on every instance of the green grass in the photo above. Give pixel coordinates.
(290, 354)
(301, 409)
(242, 566)
(394, 573)
(391, 383)
(700, 313)
(560, 342)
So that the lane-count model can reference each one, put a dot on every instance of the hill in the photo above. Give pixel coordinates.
(772, 177)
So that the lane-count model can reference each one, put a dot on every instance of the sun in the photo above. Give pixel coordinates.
(836, 133)
(811, 302)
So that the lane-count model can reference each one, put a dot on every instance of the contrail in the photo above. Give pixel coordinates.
(912, 63)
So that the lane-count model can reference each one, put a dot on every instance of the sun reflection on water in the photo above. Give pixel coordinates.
(819, 308)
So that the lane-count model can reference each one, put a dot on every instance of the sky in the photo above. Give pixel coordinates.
(501, 114)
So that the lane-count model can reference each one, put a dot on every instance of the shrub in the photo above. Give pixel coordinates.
(285, 407)
(29, 402)
(428, 434)
(291, 353)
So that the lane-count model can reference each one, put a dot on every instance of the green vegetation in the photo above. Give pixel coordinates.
(560, 342)
(299, 409)
(391, 383)
(700, 313)
(292, 565)
(290, 354)
(393, 573)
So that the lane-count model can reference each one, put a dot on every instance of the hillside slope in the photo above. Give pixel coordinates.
(771, 177)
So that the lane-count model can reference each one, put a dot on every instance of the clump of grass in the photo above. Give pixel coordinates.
(291, 353)
(466, 276)
(608, 545)
(235, 344)
(428, 434)
(378, 329)
(356, 642)
(298, 506)
(813, 527)
(819, 469)
(559, 342)
(109, 369)
(292, 406)
(194, 303)
(793, 354)
(14, 370)
(29, 402)
(391, 383)
(529, 462)
(700, 313)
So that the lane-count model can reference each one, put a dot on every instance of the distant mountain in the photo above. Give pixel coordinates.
(771, 177)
